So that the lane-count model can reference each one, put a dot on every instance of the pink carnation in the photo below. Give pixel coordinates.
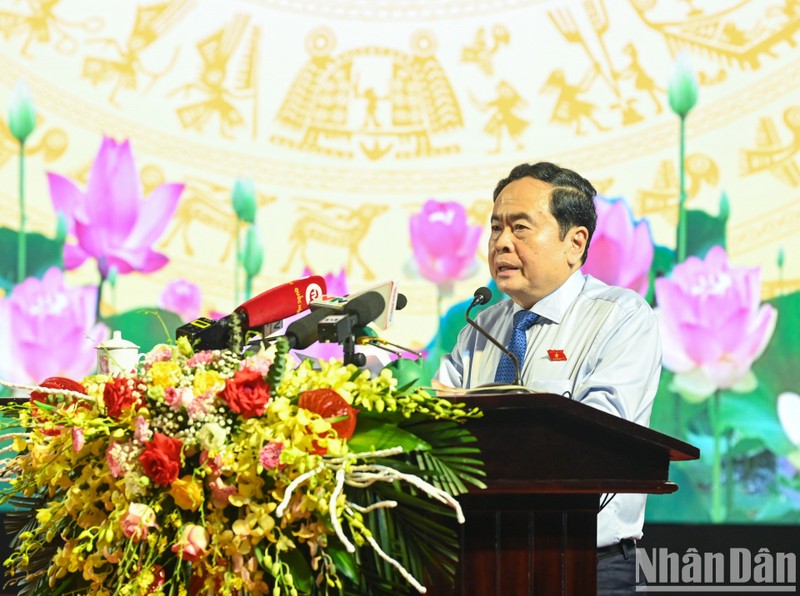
(270, 455)
(111, 458)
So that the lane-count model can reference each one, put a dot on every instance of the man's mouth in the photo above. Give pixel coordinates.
(504, 268)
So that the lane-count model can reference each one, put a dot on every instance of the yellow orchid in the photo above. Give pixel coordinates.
(262, 489)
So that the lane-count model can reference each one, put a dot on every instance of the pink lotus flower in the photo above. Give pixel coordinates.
(183, 298)
(49, 330)
(444, 244)
(192, 543)
(110, 220)
(712, 326)
(621, 251)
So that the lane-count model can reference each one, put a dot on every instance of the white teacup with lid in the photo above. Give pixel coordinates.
(117, 355)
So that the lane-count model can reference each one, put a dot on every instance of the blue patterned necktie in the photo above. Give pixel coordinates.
(523, 320)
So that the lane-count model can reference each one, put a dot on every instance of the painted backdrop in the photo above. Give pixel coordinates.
(187, 154)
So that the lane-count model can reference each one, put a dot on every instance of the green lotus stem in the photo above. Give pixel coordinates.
(680, 251)
(728, 472)
(99, 292)
(717, 508)
(248, 287)
(22, 241)
(236, 261)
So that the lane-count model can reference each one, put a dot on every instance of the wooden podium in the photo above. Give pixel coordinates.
(548, 461)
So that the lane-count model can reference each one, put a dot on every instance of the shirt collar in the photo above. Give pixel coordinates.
(553, 306)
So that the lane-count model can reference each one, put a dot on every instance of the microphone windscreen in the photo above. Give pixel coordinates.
(482, 295)
(401, 302)
(304, 331)
(366, 307)
(282, 301)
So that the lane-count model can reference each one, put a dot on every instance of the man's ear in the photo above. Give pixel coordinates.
(577, 238)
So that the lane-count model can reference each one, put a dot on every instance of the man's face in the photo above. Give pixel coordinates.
(528, 259)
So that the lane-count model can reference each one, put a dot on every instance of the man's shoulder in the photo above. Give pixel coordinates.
(625, 298)
(496, 311)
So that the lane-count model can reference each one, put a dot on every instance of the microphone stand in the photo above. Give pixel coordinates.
(482, 296)
(350, 356)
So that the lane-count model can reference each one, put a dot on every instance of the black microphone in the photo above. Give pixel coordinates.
(358, 312)
(401, 302)
(482, 296)
(304, 331)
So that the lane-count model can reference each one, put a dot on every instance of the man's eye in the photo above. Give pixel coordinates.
(520, 228)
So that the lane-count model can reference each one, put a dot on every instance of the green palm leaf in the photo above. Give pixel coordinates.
(420, 533)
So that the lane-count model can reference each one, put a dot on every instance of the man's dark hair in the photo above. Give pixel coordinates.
(572, 199)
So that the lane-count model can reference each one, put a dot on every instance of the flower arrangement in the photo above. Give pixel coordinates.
(224, 473)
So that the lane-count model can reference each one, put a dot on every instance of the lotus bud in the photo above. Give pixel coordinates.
(683, 88)
(244, 200)
(253, 252)
(21, 113)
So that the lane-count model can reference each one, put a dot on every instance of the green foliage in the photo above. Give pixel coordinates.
(42, 253)
(422, 531)
(777, 367)
(278, 367)
(704, 231)
(145, 327)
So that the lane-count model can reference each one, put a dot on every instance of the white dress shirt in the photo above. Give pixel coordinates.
(609, 337)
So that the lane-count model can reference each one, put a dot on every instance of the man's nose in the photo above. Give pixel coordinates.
(504, 243)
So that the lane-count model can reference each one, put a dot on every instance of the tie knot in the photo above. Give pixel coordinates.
(524, 319)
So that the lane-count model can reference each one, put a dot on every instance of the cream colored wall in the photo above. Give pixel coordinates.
(209, 91)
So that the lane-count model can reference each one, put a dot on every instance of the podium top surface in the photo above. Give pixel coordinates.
(529, 405)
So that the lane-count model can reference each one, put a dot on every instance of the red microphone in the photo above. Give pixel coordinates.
(268, 307)
(283, 301)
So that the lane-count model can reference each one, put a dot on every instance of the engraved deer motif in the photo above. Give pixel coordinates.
(209, 204)
(336, 226)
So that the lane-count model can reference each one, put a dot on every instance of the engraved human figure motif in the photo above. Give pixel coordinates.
(502, 117)
(126, 67)
(41, 24)
(570, 109)
(641, 80)
(479, 52)
(216, 52)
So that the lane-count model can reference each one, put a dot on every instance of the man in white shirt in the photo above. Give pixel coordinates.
(542, 223)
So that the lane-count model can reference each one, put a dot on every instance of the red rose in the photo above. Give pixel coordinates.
(159, 578)
(329, 404)
(118, 396)
(40, 397)
(247, 393)
(161, 459)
